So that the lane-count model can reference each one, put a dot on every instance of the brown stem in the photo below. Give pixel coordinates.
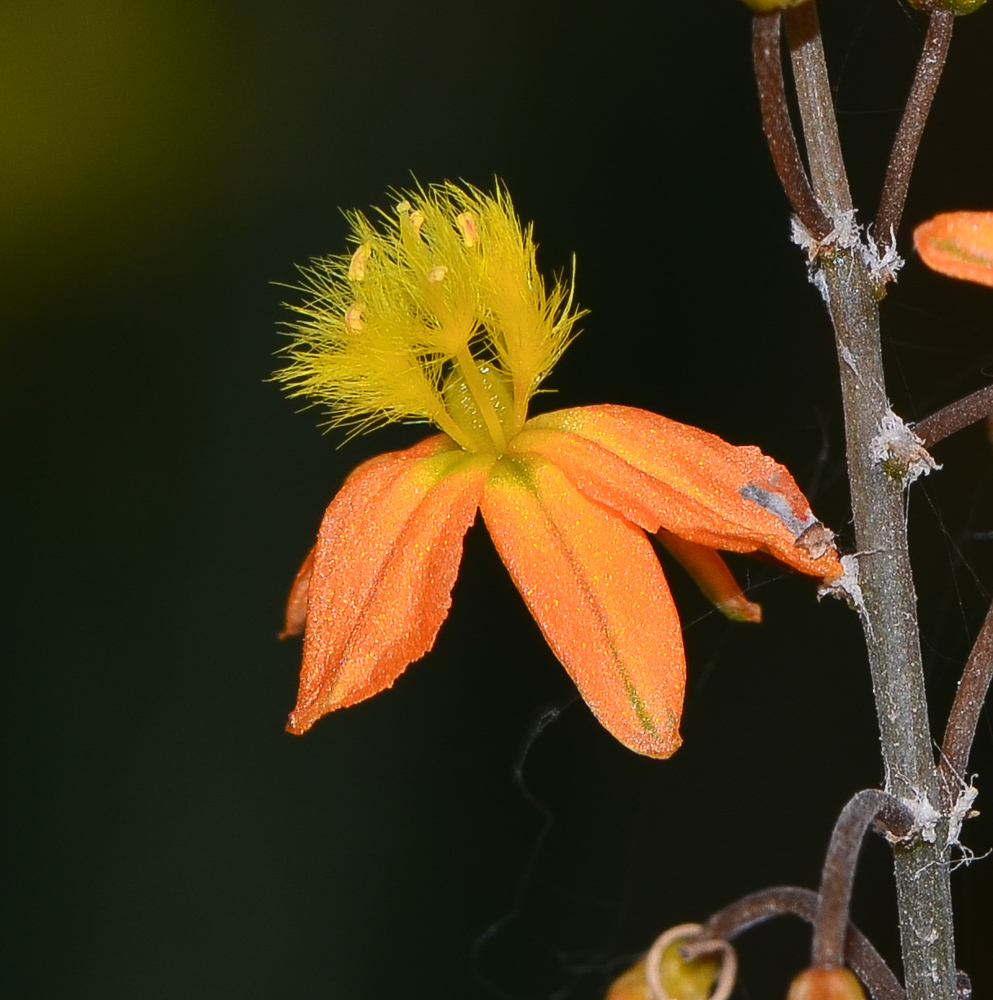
(908, 136)
(838, 874)
(962, 413)
(964, 716)
(778, 127)
(758, 907)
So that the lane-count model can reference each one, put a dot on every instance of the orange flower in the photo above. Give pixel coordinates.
(959, 244)
(567, 496)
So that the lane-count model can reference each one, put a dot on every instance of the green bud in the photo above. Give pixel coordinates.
(957, 7)
(764, 6)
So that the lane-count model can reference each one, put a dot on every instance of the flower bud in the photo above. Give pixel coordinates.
(836, 983)
(957, 7)
(765, 6)
(675, 977)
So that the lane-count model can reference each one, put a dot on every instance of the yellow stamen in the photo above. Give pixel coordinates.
(445, 292)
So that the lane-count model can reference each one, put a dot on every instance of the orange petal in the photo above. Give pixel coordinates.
(713, 577)
(959, 244)
(296, 603)
(661, 473)
(596, 589)
(387, 556)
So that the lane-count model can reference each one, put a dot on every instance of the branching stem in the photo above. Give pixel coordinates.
(838, 874)
(964, 716)
(778, 127)
(956, 416)
(758, 907)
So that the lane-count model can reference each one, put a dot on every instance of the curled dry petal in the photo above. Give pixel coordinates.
(386, 559)
(596, 589)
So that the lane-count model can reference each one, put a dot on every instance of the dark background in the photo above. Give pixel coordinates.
(163, 166)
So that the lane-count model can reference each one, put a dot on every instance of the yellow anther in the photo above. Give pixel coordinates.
(417, 219)
(467, 227)
(356, 267)
(353, 317)
(437, 273)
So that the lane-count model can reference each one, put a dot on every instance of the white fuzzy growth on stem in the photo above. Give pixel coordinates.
(896, 446)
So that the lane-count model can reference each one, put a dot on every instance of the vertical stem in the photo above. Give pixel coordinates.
(820, 129)
(889, 614)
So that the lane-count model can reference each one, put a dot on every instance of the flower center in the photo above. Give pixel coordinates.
(480, 401)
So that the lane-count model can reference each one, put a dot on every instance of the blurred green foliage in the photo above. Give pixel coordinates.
(112, 111)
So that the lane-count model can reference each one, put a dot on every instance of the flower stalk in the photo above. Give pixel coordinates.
(758, 907)
(915, 114)
(778, 127)
(956, 416)
(964, 716)
(838, 874)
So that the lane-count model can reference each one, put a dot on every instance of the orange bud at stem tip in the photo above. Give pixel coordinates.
(826, 984)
